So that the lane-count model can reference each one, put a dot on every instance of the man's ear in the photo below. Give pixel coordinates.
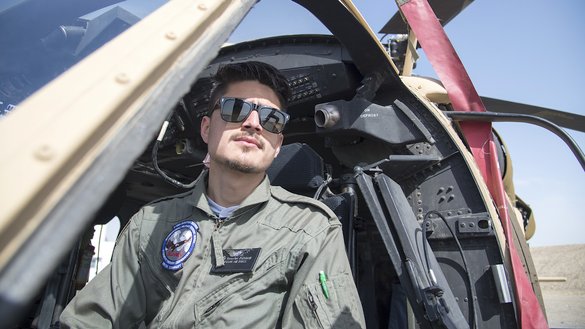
(205, 122)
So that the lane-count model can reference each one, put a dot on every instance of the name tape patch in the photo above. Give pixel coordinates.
(238, 261)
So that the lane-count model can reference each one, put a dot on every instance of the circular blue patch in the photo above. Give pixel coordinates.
(179, 245)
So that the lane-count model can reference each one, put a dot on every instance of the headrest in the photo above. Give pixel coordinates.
(297, 168)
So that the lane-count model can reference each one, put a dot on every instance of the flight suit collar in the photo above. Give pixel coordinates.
(198, 198)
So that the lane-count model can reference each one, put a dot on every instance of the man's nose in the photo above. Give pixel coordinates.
(253, 122)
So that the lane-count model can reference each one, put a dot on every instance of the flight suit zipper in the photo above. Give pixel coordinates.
(216, 242)
(211, 308)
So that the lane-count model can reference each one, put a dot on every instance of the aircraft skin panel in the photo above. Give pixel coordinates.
(453, 135)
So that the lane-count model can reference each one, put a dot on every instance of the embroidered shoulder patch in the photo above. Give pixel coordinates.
(179, 245)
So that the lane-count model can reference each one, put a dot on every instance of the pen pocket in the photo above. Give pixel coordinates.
(317, 310)
(339, 310)
(313, 307)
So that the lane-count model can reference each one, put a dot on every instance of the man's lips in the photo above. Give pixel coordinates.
(249, 140)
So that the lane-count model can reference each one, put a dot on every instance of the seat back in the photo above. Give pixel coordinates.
(298, 169)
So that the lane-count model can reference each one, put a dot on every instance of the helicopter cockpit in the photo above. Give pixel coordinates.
(420, 227)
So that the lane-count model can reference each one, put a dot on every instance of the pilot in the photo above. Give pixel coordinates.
(235, 251)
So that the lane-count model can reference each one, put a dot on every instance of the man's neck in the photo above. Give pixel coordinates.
(229, 188)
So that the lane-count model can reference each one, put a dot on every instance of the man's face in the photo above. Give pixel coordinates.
(245, 146)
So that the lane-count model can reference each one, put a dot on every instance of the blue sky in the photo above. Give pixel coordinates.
(524, 51)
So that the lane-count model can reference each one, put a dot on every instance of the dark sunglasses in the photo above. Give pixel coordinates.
(237, 110)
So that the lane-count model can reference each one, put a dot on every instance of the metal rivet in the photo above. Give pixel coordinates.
(122, 78)
(171, 35)
(44, 153)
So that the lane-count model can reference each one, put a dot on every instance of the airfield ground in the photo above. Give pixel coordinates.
(561, 270)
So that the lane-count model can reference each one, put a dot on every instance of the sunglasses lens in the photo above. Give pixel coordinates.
(272, 119)
(235, 109)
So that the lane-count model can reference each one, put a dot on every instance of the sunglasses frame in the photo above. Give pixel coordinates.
(254, 107)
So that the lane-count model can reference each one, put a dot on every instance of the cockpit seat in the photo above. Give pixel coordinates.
(298, 169)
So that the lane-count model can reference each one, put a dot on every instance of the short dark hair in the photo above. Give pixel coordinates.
(264, 73)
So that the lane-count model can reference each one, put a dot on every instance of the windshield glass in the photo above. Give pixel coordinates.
(42, 39)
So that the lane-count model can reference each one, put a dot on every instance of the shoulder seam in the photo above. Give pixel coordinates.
(169, 197)
(283, 195)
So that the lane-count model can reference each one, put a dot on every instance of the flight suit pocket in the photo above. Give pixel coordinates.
(226, 304)
(331, 307)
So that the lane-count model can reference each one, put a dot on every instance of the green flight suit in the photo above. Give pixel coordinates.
(298, 237)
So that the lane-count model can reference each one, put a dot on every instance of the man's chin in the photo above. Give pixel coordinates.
(244, 168)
